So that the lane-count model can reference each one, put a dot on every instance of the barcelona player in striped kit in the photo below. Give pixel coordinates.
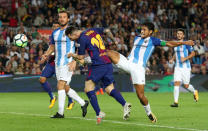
(182, 72)
(135, 64)
(62, 45)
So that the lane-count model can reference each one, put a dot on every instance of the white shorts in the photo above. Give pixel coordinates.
(136, 71)
(63, 73)
(182, 75)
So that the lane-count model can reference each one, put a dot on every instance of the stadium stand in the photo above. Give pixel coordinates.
(122, 17)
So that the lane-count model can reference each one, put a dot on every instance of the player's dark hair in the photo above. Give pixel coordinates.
(70, 30)
(64, 11)
(182, 30)
(149, 25)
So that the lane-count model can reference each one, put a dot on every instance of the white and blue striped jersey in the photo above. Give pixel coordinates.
(142, 49)
(63, 46)
(182, 51)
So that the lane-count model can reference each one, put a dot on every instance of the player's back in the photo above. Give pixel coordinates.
(92, 41)
(63, 46)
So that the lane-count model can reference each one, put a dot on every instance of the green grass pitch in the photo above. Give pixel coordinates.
(29, 112)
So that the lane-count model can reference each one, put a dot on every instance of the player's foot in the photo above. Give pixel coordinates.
(100, 117)
(84, 108)
(70, 106)
(57, 115)
(196, 95)
(174, 105)
(127, 110)
(152, 118)
(52, 102)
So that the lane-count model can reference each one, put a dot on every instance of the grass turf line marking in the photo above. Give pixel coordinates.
(116, 122)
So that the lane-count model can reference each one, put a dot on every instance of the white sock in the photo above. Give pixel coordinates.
(61, 101)
(191, 88)
(176, 94)
(76, 97)
(147, 109)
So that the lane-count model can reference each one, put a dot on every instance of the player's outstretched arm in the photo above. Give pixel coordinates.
(178, 43)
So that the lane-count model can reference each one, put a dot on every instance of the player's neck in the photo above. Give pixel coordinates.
(80, 32)
(63, 27)
(181, 40)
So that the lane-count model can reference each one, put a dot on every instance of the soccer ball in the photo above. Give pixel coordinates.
(20, 40)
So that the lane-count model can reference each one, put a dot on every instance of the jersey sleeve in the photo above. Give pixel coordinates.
(190, 48)
(51, 38)
(156, 41)
(99, 30)
(82, 47)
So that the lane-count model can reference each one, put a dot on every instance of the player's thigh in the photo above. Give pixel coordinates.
(123, 63)
(63, 73)
(186, 75)
(177, 75)
(108, 78)
(114, 56)
(138, 74)
(96, 73)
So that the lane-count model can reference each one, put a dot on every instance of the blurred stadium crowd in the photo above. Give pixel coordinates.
(123, 17)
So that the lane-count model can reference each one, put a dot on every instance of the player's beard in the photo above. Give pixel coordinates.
(62, 25)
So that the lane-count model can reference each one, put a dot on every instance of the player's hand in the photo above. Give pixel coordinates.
(44, 57)
(72, 65)
(190, 42)
(70, 55)
(183, 59)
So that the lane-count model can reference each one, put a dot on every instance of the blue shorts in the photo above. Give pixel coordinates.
(48, 71)
(101, 72)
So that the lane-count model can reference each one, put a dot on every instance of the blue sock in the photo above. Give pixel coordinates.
(69, 100)
(116, 94)
(93, 100)
(48, 89)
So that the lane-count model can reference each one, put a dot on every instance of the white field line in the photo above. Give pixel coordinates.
(110, 121)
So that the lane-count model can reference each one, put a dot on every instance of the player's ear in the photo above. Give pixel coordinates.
(150, 32)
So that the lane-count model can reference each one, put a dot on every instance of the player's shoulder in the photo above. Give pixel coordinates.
(137, 37)
(55, 31)
(154, 38)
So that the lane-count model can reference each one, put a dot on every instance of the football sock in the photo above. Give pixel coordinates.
(117, 95)
(48, 89)
(176, 93)
(61, 101)
(191, 88)
(93, 100)
(147, 109)
(71, 93)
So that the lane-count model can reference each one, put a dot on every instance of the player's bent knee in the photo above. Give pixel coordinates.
(109, 88)
(61, 85)
(42, 80)
(89, 86)
(67, 88)
(186, 85)
(177, 83)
